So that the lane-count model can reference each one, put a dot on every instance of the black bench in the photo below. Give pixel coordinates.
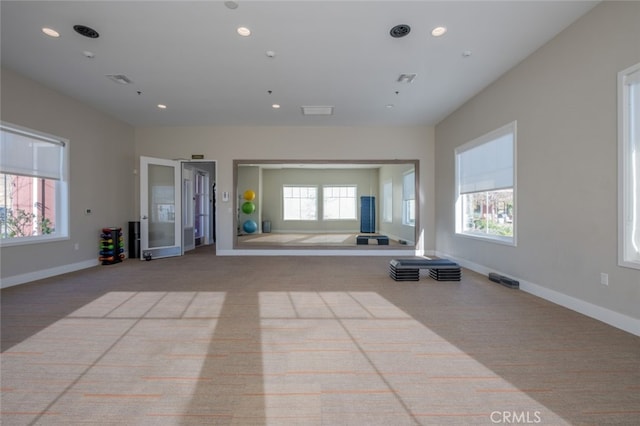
(383, 240)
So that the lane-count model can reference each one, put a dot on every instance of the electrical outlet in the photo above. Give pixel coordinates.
(604, 278)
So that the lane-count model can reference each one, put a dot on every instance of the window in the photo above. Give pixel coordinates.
(387, 202)
(300, 202)
(339, 202)
(33, 186)
(485, 182)
(408, 199)
(629, 167)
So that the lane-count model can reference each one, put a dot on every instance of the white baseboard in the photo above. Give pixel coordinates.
(328, 252)
(46, 273)
(613, 318)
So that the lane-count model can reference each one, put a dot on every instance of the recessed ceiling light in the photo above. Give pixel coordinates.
(389, 106)
(162, 106)
(244, 31)
(466, 53)
(231, 4)
(275, 106)
(438, 31)
(51, 32)
(271, 54)
(89, 55)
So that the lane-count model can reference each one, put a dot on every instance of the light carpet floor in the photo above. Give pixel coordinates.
(206, 340)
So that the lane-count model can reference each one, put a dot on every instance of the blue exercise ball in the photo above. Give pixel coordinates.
(250, 226)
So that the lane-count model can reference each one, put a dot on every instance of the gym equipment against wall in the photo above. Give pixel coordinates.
(111, 246)
(249, 195)
(382, 240)
(248, 207)
(250, 226)
(409, 269)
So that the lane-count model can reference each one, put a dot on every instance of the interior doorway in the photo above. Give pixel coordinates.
(177, 205)
(198, 204)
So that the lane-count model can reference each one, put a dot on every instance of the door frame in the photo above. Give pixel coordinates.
(188, 224)
(212, 204)
(167, 250)
(178, 248)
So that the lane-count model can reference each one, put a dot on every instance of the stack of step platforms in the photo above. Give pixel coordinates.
(444, 274)
(382, 240)
(409, 269)
(400, 272)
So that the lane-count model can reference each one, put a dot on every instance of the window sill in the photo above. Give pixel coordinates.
(629, 264)
(489, 238)
(10, 242)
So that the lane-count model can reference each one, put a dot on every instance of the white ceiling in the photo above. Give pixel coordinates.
(189, 56)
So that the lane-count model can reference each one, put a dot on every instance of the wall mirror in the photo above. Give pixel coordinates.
(336, 204)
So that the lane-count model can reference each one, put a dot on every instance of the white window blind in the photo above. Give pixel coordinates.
(27, 154)
(409, 186)
(408, 199)
(387, 202)
(487, 166)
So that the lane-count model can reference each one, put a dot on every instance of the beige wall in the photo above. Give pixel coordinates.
(101, 164)
(564, 100)
(224, 144)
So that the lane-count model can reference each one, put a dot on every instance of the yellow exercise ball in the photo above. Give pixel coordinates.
(249, 195)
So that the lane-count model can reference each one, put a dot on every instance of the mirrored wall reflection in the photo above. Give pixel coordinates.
(326, 204)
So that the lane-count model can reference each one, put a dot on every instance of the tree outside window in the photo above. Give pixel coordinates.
(27, 207)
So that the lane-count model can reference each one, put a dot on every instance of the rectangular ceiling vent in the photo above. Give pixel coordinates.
(317, 110)
(119, 78)
(406, 78)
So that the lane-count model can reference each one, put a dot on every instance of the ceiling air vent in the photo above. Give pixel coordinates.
(86, 31)
(406, 78)
(119, 78)
(400, 31)
(317, 110)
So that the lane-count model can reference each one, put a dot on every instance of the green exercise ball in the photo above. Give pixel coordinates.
(248, 207)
